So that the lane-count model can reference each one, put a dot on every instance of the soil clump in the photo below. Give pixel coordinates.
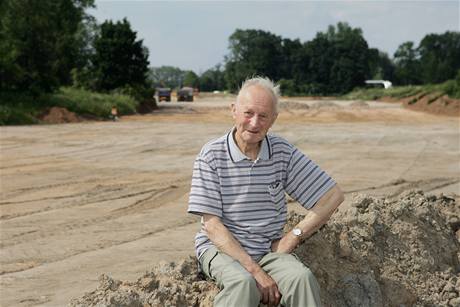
(292, 105)
(379, 252)
(429, 103)
(325, 105)
(58, 115)
(359, 104)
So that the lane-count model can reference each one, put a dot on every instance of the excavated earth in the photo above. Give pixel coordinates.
(87, 208)
(380, 252)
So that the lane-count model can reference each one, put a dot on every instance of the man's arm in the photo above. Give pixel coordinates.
(225, 242)
(315, 218)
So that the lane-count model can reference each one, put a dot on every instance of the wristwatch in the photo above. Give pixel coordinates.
(297, 232)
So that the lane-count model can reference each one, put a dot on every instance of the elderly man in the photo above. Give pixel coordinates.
(238, 188)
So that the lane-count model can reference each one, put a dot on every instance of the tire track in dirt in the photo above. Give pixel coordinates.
(155, 231)
(154, 199)
(402, 186)
(99, 196)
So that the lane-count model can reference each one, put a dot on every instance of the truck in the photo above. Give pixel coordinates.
(185, 94)
(164, 94)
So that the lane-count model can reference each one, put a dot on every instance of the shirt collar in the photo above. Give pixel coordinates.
(236, 155)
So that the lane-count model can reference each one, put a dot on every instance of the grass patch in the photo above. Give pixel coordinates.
(450, 88)
(84, 102)
(23, 109)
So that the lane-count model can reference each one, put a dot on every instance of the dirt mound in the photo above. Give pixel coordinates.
(359, 104)
(384, 252)
(292, 105)
(165, 285)
(380, 252)
(325, 105)
(434, 103)
(58, 115)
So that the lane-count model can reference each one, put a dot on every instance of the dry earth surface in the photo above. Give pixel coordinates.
(84, 199)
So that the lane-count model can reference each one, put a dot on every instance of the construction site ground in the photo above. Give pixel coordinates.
(82, 199)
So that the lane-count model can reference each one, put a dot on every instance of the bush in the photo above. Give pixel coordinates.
(288, 87)
(139, 93)
(90, 103)
(20, 109)
(15, 116)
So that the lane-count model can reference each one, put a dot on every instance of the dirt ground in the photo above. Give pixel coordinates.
(84, 199)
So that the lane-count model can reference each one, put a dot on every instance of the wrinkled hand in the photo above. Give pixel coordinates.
(268, 288)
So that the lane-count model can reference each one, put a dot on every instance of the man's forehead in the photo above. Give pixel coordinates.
(255, 95)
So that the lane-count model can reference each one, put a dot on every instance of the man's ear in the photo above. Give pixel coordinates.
(274, 118)
(233, 110)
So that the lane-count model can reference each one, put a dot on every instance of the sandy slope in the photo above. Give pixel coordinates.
(79, 200)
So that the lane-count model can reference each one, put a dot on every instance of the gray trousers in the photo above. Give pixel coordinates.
(296, 283)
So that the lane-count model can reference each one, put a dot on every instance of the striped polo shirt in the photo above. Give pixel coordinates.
(249, 196)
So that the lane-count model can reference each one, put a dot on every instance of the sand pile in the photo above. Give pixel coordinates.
(58, 115)
(380, 252)
(359, 105)
(292, 105)
(325, 105)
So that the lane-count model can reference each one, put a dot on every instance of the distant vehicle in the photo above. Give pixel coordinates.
(185, 94)
(379, 83)
(164, 94)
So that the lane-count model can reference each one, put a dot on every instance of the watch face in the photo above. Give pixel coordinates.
(297, 231)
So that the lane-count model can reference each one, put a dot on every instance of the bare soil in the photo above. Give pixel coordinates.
(85, 199)
(59, 115)
(380, 252)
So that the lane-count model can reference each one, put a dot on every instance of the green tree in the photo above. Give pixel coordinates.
(252, 52)
(119, 60)
(407, 63)
(191, 79)
(212, 79)
(166, 76)
(39, 43)
(439, 57)
(291, 64)
(337, 60)
(380, 65)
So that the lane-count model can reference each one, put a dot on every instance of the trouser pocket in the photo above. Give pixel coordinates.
(206, 260)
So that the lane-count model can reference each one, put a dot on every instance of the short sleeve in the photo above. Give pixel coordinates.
(205, 196)
(305, 181)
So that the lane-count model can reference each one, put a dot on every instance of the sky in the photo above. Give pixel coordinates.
(193, 35)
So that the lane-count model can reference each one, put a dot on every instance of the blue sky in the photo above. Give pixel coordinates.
(194, 34)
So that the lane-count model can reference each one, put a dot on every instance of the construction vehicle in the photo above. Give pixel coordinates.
(164, 94)
(185, 94)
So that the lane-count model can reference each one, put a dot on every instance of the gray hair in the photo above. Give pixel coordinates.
(265, 83)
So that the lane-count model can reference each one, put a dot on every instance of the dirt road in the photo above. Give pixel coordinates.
(79, 200)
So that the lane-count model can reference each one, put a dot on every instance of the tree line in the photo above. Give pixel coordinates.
(47, 44)
(334, 62)
(337, 60)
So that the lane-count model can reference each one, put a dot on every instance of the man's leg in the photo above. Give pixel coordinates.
(296, 283)
(238, 287)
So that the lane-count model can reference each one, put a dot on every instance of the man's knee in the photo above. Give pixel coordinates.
(302, 274)
(245, 280)
(239, 290)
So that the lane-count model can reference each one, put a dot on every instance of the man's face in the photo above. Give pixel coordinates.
(254, 114)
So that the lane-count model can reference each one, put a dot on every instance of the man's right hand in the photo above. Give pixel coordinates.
(268, 288)
(225, 242)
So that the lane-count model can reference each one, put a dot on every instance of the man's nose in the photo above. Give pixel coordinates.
(255, 121)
